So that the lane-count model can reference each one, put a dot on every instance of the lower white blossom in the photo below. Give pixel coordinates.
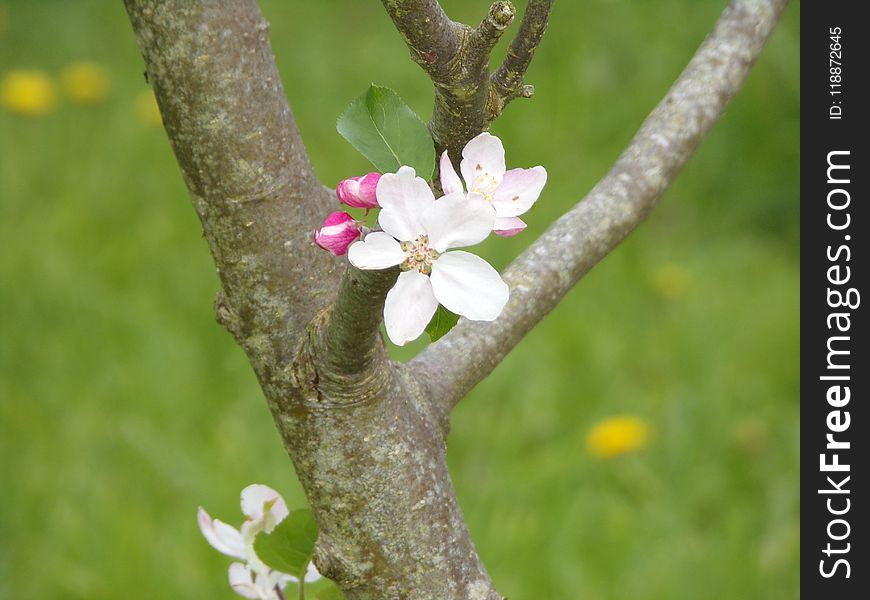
(249, 583)
(264, 508)
(417, 232)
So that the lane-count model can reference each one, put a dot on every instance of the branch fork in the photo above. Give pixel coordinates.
(456, 58)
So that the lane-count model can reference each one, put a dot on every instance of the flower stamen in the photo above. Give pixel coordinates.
(418, 255)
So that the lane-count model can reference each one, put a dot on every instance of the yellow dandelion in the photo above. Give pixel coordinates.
(147, 110)
(28, 92)
(618, 435)
(672, 281)
(85, 82)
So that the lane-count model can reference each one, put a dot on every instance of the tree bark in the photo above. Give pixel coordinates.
(367, 436)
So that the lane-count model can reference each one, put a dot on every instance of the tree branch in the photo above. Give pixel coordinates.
(456, 57)
(244, 164)
(351, 348)
(550, 267)
(508, 81)
(501, 15)
(431, 36)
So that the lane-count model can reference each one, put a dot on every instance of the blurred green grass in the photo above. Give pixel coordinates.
(123, 406)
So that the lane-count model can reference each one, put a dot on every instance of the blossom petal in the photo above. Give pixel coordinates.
(482, 163)
(467, 285)
(377, 251)
(508, 226)
(409, 307)
(242, 581)
(230, 537)
(265, 584)
(222, 537)
(457, 221)
(450, 182)
(403, 198)
(262, 503)
(311, 573)
(519, 189)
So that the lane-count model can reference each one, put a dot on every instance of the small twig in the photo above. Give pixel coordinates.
(508, 80)
(501, 15)
(456, 58)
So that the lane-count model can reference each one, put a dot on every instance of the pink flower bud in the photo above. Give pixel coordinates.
(337, 233)
(359, 192)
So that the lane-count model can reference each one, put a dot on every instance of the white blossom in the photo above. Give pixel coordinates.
(418, 231)
(511, 193)
(263, 508)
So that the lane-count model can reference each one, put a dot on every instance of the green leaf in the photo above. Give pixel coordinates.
(442, 321)
(387, 132)
(290, 545)
(330, 591)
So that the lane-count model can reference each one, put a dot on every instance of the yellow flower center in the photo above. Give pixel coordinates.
(419, 256)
